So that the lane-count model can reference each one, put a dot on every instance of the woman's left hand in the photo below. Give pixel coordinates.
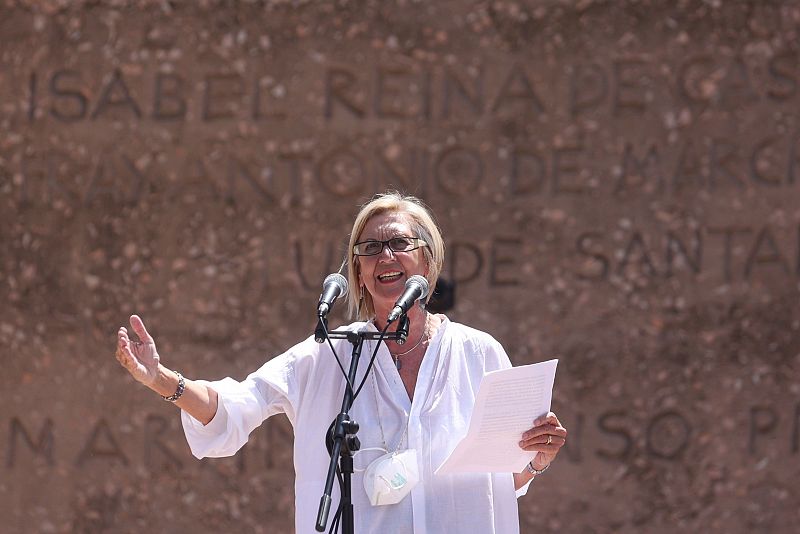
(546, 437)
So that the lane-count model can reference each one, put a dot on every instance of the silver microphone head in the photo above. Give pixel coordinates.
(420, 281)
(339, 280)
(415, 282)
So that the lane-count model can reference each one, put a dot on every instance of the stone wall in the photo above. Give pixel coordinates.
(617, 183)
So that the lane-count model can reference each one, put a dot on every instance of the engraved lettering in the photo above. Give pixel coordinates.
(474, 98)
(517, 88)
(611, 423)
(645, 169)
(588, 87)
(221, 95)
(636, 247)
(116, 94)
(759, 163)
(497, 260)
(625, 94)
(338, 85)
(459, 170)
(238, 170)
(42, 447)
(155, 427)
(780, 70)
(763, 421)
(688, 170)
(168, 102)
(686, 75)
(565, 165)
(596, 265)
(256, 112)
(387, 96)
(32, 83)
(93, 450)
(796, 429)
(460, 274)
(341, 173)
(675, 247)
(771, 254)
(668, 435)
(729, 234)
(528, 173)
(74, 103)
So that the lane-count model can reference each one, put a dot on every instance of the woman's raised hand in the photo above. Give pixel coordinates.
(139, 357)
(546, 437)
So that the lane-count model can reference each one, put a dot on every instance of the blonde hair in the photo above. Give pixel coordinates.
(359, 302)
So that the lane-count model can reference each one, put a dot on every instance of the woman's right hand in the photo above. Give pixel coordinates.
(139, 357)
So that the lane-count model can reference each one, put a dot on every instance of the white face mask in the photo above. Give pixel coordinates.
(391, 477)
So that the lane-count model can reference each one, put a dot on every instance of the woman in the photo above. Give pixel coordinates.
(419, 395)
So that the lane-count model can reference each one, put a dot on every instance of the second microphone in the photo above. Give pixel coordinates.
(416, 289)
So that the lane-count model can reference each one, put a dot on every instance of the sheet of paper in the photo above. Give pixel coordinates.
(507, 403)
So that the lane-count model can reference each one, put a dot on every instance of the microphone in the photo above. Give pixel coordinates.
(416, 288)
(334, 286)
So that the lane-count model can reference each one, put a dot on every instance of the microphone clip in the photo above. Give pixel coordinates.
(322, 327)
(402, 329)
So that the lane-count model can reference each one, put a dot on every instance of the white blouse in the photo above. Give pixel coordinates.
(307, 385)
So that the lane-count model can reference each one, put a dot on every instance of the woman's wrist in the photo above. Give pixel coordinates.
(539, 466)
(166, 382)
(535, 471)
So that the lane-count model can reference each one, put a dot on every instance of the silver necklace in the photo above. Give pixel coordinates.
(380, 419)
(396, 357)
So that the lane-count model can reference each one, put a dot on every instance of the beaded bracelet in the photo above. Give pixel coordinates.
(178, 391)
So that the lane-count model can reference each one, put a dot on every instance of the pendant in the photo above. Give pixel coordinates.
(398, 364)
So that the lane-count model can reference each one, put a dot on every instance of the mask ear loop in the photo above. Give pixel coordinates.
(357, 470)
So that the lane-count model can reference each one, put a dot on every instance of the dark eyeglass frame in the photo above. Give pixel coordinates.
(417, 242)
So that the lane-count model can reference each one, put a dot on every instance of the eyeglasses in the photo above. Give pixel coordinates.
(373, 247)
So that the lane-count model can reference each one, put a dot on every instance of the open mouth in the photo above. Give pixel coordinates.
(390, 276)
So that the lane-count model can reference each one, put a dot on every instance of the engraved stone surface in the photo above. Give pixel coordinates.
(616, 181)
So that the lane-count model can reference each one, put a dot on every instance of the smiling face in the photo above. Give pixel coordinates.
(384, 275)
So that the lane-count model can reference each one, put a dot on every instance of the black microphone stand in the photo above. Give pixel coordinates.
(341, 437)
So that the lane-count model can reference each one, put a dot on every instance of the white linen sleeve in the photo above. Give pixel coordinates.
(495, 355)
(524, 489)
(242, 407)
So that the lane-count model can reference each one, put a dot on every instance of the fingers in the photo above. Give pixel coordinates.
(123, 353)
(123, 342)
(547, 443)
(547, 435)
(125, 349)
(546, 425)
(549, 418)
(544, 431)
(138, 326)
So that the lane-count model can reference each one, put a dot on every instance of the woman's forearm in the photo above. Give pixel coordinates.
(198, 400)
